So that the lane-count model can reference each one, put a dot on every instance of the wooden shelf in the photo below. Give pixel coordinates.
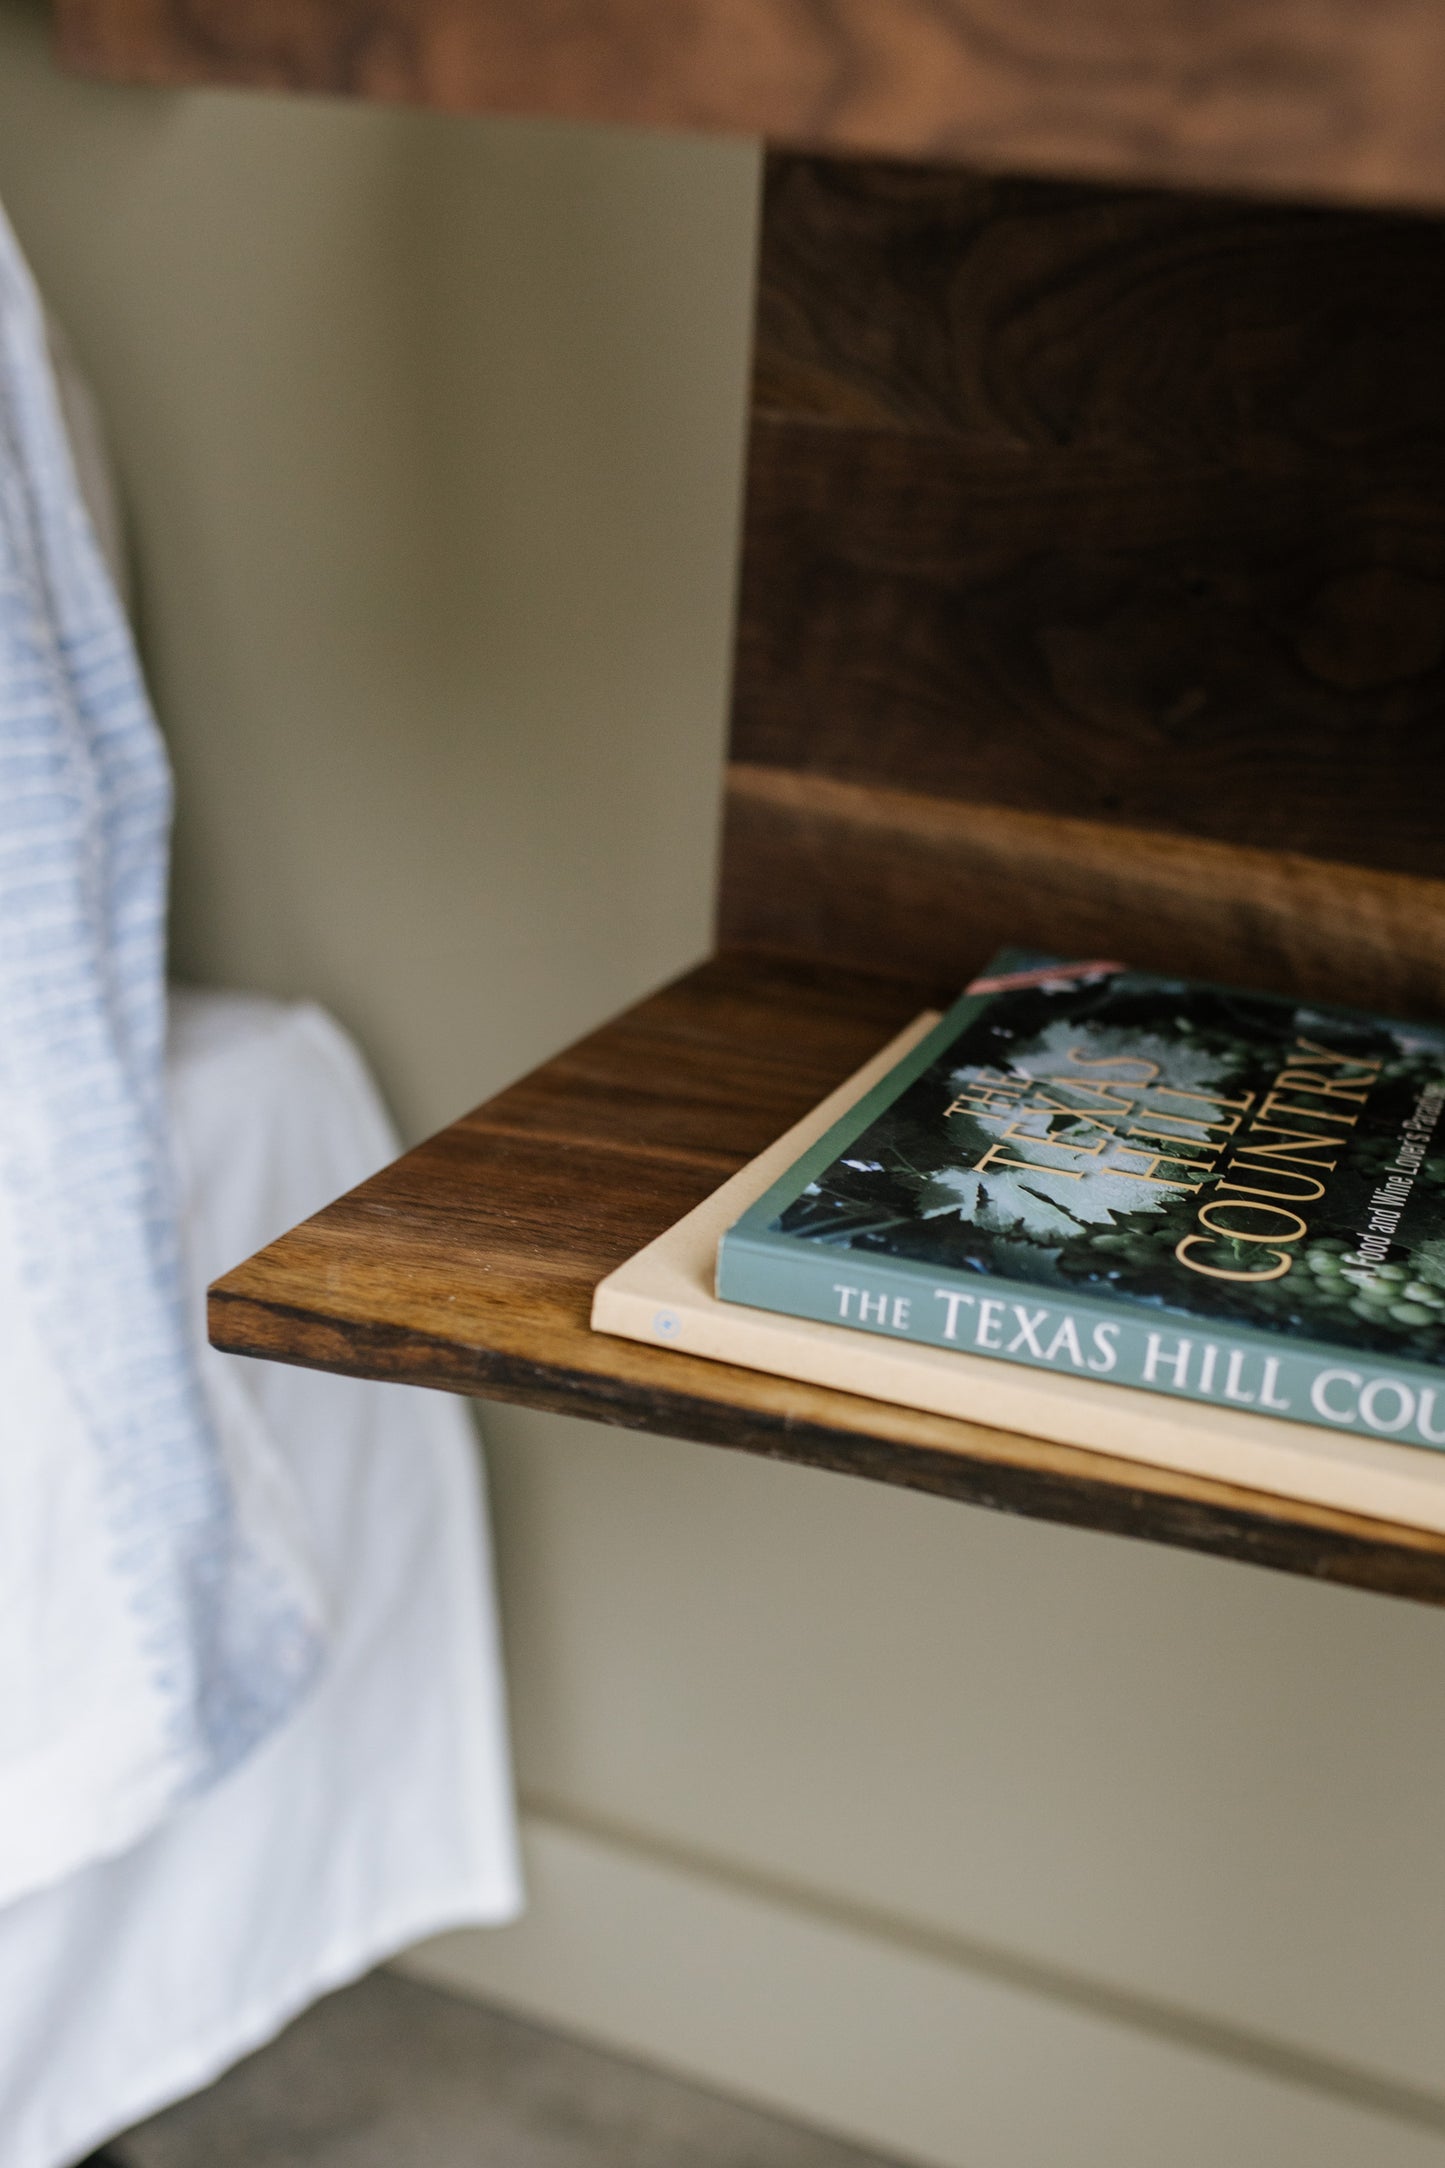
(1307, 97)
(470, 1265)
(1092, 596)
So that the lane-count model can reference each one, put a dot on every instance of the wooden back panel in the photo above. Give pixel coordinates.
(1093, 589)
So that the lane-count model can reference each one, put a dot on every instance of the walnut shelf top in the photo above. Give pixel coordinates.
(1337, 98)
(470, 1264)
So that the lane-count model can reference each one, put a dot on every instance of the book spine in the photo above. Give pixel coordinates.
(1084, 1337)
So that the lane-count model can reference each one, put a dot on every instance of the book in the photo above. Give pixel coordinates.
(664, 1295)
(1192, 1190)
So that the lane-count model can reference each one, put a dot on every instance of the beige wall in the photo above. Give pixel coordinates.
(1001, 1845)
(433, 544)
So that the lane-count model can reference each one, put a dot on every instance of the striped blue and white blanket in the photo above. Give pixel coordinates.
(157, 1614)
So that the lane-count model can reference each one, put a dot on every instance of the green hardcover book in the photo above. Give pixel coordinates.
(1183, 1187)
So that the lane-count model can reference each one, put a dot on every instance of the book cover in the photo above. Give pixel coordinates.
(1204, 1192)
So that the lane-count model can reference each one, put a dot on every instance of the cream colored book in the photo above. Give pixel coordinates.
(665, 1295)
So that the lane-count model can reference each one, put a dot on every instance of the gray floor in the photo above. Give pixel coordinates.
(389, 2074)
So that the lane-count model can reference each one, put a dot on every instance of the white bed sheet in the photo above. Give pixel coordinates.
(382, 1811)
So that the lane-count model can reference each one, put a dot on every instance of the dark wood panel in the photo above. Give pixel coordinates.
(1122, 506)
(1295, 96)
(469, 1265)
(867, 876)
(1036, 315)
(1257, 657)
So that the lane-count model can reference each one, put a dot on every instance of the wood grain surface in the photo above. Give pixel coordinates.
(469, 1265)
(1129, 507)
(821, 868)
(1335, 97)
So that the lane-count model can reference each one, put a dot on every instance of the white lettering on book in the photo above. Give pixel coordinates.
(1053, 1337)
(1065, 1340)
(1397, 1410)
(1323, 1385)
(1106, 1348)
(894, 1311)
(1175, 1359)
(955, 1302)
(990, 1326)
(1028, 1332)
(1384, 1405)
(1425, 1417)
(1268, 1398)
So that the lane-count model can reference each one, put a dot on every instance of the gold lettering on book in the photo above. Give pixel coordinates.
(1268, 1152)
(1311, 1072)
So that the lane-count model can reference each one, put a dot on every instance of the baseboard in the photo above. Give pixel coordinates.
(884, 2041)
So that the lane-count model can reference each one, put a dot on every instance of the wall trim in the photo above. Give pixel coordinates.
(921, 2045)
